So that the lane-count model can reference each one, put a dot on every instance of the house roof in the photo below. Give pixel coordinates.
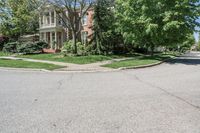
(48, 5)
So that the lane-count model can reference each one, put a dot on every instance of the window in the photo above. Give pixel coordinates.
(48, 19)
(52, 17)
(84, 20)
(84, 36)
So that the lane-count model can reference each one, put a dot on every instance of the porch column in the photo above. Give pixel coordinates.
(56, 40)
(55, 18)
(50, 17)
(51, 42)
(45, 37)
(44, 19)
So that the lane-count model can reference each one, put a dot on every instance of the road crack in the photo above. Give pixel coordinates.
(71, 76)
(60, 82)
(163, 90)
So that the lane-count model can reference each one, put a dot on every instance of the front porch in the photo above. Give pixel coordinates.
(54, 39)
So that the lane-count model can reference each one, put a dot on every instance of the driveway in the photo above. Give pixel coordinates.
(161, 99)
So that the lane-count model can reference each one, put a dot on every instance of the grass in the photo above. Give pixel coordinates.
(139, 61)
(26, 64)
(4, 54)
(71, 59)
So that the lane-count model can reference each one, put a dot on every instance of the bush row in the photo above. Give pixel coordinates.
(67, 49)
(25, 48)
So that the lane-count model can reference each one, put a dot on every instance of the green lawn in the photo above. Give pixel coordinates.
(4, 54)
(139, 61)
(71, 59)
(26, 64)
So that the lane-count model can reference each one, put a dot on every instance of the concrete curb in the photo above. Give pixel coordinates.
(90, 71)
(142, 66)
(24, 69)
(146, 66)
(86, 71)
(55, 71)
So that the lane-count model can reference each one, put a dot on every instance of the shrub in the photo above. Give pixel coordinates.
(10, 47)
(90, 49)
(81, 49)
(26, 48)
(3, 40)
(30, 47)
(184, 49)
(67, 48)
(41, 45)
(198, 47)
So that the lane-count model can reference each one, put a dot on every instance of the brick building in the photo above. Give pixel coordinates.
(53, 31)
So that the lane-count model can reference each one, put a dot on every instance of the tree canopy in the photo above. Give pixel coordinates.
(156, 22)
(19, 17)
(103, 25)
(140, 23)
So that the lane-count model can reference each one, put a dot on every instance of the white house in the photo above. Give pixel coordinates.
(52, 29)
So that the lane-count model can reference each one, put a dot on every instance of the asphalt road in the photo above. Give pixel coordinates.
(160, 99)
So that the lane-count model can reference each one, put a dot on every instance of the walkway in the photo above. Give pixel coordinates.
(70, 66)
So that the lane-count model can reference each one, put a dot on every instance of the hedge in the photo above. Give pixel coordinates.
(25, 48)
(10, 47)
(30, 47)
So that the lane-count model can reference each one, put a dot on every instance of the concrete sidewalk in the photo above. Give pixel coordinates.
(70, 66)
(34, 60)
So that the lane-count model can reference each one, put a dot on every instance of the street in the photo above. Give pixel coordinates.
(159, 99)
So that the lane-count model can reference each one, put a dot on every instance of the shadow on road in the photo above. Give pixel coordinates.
(185, 61)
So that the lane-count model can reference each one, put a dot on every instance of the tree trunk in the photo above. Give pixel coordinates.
(98, 46)
(74, 43)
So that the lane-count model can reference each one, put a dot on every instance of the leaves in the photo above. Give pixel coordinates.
(103, 25)
(20, 17)
(156, 22)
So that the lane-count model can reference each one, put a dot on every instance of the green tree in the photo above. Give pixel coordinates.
(20, 17)
(103, 25)
(157, 22)
(199, 42)
(199, 39)
(188, 43)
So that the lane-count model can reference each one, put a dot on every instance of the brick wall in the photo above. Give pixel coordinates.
(88, 27)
